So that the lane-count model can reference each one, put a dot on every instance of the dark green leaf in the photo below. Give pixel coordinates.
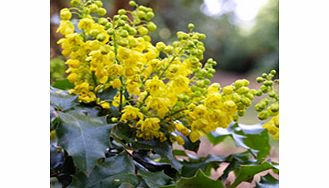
(198, 181)
(235, 161)
(116, 181)
(85, 138)
(63, 84)
(108, 94)
(126, 185)
(268, 181)
(61, 100)
(79, 180)
(204, 163)
(165, 150)
(119, 164)
(154, 179)
(247, 172)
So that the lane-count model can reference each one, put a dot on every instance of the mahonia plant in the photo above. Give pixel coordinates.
(160, 92)
(160, 87)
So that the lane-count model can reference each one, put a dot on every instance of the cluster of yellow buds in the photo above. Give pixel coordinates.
(162, 89)
(268, 107)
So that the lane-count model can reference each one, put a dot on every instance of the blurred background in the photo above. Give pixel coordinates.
(242, 36)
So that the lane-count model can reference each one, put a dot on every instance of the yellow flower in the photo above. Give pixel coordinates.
(149, 128)
(160, 105)
(181, 128)
(86, 24)
(116, 100)
(155, 86)
(104, 104)
(116, 83)
(131, 113)
(214, 88)
(194, 136)
(65, 27)
(273, 126)
(72, 77)
(65, 14)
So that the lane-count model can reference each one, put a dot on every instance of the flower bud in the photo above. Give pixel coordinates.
(142, 30)
(124, 33)
(103, 21)
(228, 90)
(263, 115)
(75, 3)
(190, 27)
(141, 14)
(259, 79)
(65, 14)
(149, 16)
(268, 83)
(110, 31)
(151, 26)
(132, 31)
(273, 72)
(100, 37)
(122, 12)
(93, 7)
(264, 88)
(99, 3)
(101, 11)
(114, 119)
(132, 3)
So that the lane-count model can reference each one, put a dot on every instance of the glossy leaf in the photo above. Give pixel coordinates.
(204, 163)
(198, 181)
(85, 138)
(251, 137)
(61, 99)
(154, 179)
(119, 164)
(268, 181)
(247, 172)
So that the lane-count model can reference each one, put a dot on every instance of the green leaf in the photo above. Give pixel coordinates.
(178, 152)
(119, 164)
(204, 163)
(61, 100)
(107, 94)
(165, 150)
(63, 84)
(218, 136)
(255, 138)
(198, 181)
(126, 185)
(235, 161)
(268, 181)
(247, 172)
(251, 137)
(85, 138)
(154, 179)
(118, 180)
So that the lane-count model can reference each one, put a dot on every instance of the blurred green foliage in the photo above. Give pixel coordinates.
(57, 69)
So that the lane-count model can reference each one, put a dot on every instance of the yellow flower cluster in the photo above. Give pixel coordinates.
(269, 106)
(273, 126)
(162, 91)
